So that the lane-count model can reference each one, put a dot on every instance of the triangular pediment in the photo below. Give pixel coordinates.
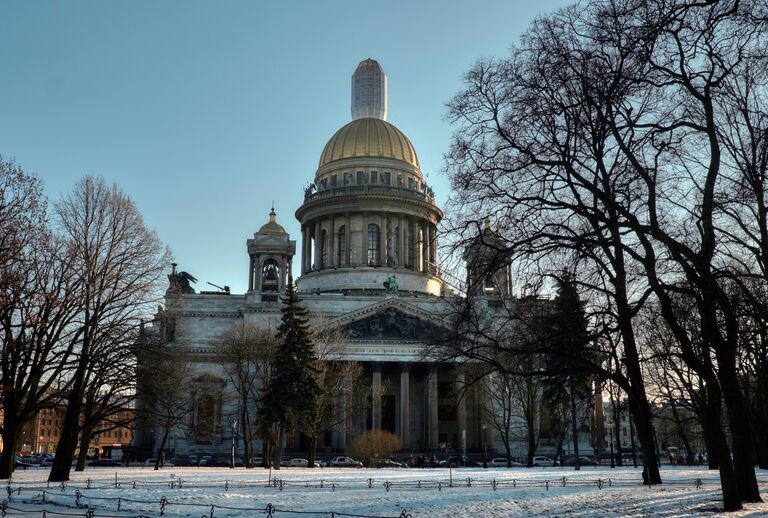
(391, 319)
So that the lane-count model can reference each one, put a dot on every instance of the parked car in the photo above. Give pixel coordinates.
(300, 463)
(18, 463)
(166, 464)
(105, 463)
(346, 462)
(47, 462)
(501, 462)
(583, 461)
(214, 463)
(544, 461)
(184, 461)
(390, 463)
(458, 460)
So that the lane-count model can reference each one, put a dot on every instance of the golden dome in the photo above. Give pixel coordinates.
(272, 226)
(369, 137)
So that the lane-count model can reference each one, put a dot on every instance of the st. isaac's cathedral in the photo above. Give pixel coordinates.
(368, 253)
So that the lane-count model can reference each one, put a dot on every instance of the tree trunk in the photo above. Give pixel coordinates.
(82, 456)
(617, 435)
(311, 455)
(244, 422)
(762, 452)
(743, 456)
(632, 440)
(266, 452)
(161, 451)
(531, 444)
(65, 449)
(574, 428)
(505, 441)
(719, 448)
(710, 443)
(11, 435)
(638, 400)
(278, 447)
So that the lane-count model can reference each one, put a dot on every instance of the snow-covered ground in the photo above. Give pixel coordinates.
(420, 493)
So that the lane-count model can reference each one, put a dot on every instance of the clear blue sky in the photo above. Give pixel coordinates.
(205, 112)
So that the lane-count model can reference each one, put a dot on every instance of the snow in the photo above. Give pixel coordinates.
(420, 492)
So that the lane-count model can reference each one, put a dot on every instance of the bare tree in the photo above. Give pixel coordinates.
(620, 161)
(119, 264)
(516, 409)
(247, 351)
(338, 380)
(163, 375)
(110, 388)
(38, 307)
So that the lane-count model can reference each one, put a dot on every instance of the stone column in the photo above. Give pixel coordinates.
(347, 240)
(401, 241)
(331, 242)
(340, 407)
(425, 232)
(305, 250)
(302, 250)
(250, 274)
(412, 241)
(433, 247)
(405, 404)
(376, 395)
(364, 258)
(461, 407)
(257, 272)
(384, 257)
(431, 410)
(289, 270)
(318, 244)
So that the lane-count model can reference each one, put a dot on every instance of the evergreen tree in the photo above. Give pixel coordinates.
(570, 355)
(290, 399)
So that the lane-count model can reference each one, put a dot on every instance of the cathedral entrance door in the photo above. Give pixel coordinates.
(388, 413)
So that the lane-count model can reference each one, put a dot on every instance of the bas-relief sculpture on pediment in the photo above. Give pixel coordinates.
(392, 324)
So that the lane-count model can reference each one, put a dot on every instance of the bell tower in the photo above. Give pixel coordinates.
(271, 255)
(489, 272)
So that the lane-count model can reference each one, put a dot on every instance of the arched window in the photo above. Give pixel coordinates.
(373, 244)
(342, 245)
(270, 276)
(205, 417)
(324, 250)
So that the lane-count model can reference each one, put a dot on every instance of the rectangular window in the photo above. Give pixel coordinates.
(374, 177)
(334, 180)
(411, 183)
(347, 178)
(386, 179)
(399, 180)
(362, 178)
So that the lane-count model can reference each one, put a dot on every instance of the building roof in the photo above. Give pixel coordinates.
(369, 138)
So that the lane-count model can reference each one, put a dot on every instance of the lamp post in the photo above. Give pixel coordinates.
(234, 429)
(485, 449)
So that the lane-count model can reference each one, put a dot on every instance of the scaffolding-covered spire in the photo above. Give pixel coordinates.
(369, 91)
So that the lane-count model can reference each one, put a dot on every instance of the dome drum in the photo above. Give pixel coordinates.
(369, 279)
